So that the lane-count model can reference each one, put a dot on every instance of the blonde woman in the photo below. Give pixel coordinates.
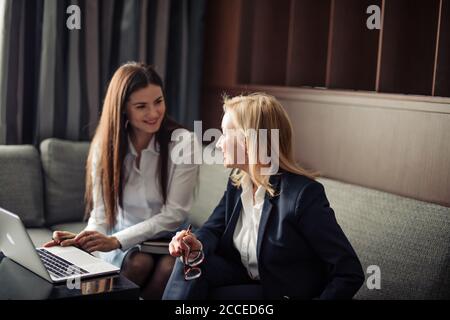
(276, 232)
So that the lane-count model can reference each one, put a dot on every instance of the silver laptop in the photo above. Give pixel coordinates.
(54, 264)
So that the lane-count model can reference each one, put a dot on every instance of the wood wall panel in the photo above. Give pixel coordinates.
(308, 43)
(270, 33)
(222, 37)
(354, 48)
(409, 45)
(442, 80)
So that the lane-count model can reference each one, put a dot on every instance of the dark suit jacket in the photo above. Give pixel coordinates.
(302, 251)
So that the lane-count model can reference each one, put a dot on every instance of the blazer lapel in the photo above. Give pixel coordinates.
(231, 224)
(265, 214)
(267, 209)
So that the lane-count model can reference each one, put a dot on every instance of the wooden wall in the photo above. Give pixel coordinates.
(369, 107)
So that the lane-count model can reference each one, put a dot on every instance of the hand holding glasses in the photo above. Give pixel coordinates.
(191, 271)
(186, 246)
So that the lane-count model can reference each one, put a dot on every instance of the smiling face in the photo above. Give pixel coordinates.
(145, 110)
(232, 144)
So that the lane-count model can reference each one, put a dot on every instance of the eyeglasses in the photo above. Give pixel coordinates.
(191, 271)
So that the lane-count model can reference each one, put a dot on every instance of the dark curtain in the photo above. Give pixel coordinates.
(53, 80)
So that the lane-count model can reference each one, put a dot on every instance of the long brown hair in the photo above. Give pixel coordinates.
(110, 141)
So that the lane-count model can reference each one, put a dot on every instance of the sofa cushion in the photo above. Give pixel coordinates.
(407, 239)
(210, 189)
(39, 236)
(21, 190)
(64, 171)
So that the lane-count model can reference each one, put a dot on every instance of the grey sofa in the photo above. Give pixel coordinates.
(408, 240)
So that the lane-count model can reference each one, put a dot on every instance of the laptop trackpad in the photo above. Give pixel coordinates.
(74, 255)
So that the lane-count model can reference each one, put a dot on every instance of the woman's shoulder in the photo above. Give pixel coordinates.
(295, 178)
(298, 185)
(94, 150)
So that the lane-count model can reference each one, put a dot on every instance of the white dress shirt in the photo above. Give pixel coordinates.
(246, 233)
(144, 215)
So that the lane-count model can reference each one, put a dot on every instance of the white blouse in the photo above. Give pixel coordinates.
(245, 235)
(144, 216)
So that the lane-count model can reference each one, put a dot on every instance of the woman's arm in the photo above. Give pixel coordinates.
(94, 237)
(178, 203)
(318, 224)
(213, 229)
(173, 213)
(209, 234)
(97, 219)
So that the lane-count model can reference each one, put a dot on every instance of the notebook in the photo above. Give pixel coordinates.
(155, 246)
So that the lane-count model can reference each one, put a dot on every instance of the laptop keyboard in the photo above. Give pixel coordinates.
(58, 267)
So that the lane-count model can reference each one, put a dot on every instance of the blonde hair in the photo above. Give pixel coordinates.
(262, 111)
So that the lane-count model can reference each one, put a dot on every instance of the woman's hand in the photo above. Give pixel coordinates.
(177, 245)
(91, 241)
(62, 238)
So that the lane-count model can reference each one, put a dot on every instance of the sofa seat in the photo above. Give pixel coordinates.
(407, 239)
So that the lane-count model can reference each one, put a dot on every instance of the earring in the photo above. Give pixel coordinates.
(126, 124)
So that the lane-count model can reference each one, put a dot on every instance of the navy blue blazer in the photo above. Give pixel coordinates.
(302, 251)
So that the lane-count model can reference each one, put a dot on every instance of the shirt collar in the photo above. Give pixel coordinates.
(151, 147)
(247, 190)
